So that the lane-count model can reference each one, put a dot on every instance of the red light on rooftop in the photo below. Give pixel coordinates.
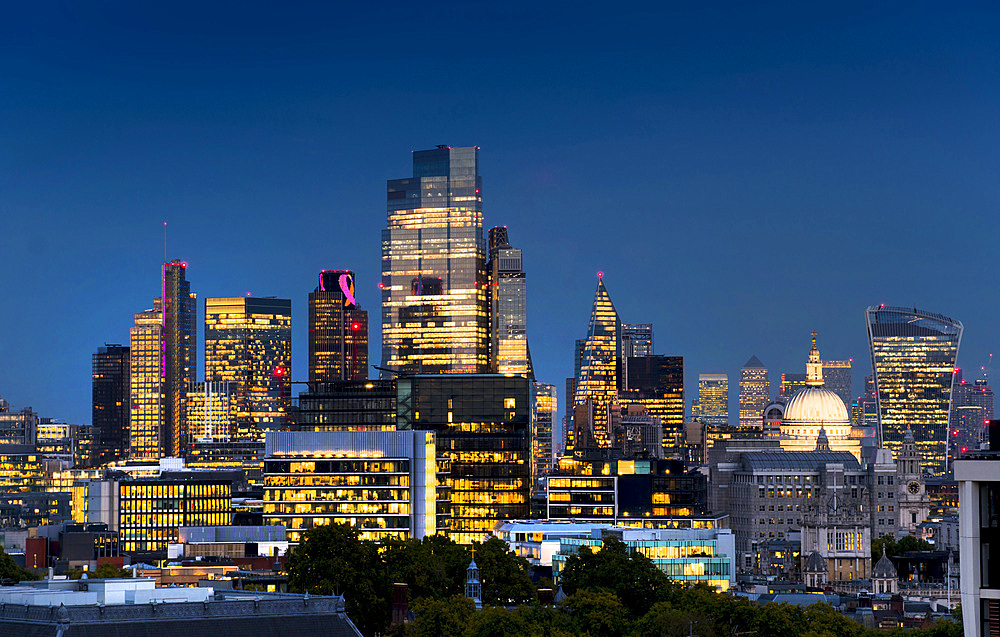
(600, 275)
(248, 294)
(279, 371)
(965, 449)
(355, 326)
(954, 432)
(381, 286)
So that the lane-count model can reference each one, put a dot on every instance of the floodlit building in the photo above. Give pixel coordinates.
(146, 414)
(913, 356)
(546, 406)
(435, 305)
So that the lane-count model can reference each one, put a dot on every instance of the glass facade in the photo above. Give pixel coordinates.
(211, 410)
(151, 511)
(383, 483)
(435, 305)
(972, 405)
(248, 341)
(508, 307)
(146, 417)
(366, 405)
(837, 378)
(338, 330)
(180, 353)
(913, 356)
(545, 405)
(483, 432)
(599, 373)
(110, 406)
(713, 399)
(755, 393)
(657, 383)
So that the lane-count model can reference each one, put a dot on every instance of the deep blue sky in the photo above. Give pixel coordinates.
(742, 175)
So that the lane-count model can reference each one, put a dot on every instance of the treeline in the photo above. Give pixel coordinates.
(609, 593)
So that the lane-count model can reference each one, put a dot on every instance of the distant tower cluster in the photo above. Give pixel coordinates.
(755, 394)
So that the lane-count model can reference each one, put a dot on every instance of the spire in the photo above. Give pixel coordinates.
(822, 442)
(814, 368)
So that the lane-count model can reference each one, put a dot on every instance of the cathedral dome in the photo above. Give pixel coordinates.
(816, 405)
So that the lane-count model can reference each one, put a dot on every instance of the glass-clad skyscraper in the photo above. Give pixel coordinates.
(435, 305)
(338, 330)
(599, 374)
(713, 399)
(248, 341)
(180, 354)
(146, 414)
(508, 307)
(755, 393)
(913, 356)
(111, 399)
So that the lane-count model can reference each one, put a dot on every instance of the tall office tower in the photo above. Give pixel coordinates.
(338, 330)
(180, 353)
(971, 407)
(870, 408)
(111, 399)
(637, 341)
(435, 306)
(713, 398)
(508, 307)
(755, 394)
(545, 407)
(211, 411)
(17, 427)
(913, 356)
(657, 383)
(482, 425)
(146, 417)
(597, 382)
(248, 340)
(790, 383)
(837, 378)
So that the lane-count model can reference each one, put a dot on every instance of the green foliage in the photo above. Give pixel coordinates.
(110, 571)
(11, 573)
(504, 575)
(898, 547)
(632, 577)
(596, 612)
(333, 561)
(436, 617)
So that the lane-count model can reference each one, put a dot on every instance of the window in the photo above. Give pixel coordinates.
(509, 403)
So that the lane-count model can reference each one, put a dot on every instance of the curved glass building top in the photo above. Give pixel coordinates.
(913, 358)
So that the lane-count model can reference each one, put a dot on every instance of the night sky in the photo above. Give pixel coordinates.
(742, 175)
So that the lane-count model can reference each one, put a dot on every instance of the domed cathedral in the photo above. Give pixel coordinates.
(814, 414)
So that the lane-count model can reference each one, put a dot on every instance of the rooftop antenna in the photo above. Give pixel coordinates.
(164, 241)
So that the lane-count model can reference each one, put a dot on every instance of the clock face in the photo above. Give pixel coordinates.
(913, 487)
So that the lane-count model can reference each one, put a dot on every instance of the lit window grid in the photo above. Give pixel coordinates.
(599, 365)
(146, 385)
(150, 513)
(755, 394)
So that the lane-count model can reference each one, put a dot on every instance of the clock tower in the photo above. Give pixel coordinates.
(912, 502)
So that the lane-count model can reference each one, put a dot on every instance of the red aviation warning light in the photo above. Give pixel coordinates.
(355, 326)
(279, 371)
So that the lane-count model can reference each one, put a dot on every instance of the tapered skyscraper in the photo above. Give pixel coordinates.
(913, 356)
(755, 393)
(338, 330)
(435, 305)
(508, 307)
(598, 379)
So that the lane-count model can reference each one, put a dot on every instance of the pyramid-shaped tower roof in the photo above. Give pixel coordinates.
(754, 363)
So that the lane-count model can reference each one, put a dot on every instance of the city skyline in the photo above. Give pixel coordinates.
(263, 187)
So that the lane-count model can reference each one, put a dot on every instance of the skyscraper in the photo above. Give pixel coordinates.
(180, 354)
(597, 382)
(713, 399)
(435, 306)
(545, 406)
(508, 307)
(657, 383)
(111, 400)
(755, 393)
(637, 341)
(790, 383)
(837, 376)
(338, 330)
(913, 357)
(146, 414)
(248, 341)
